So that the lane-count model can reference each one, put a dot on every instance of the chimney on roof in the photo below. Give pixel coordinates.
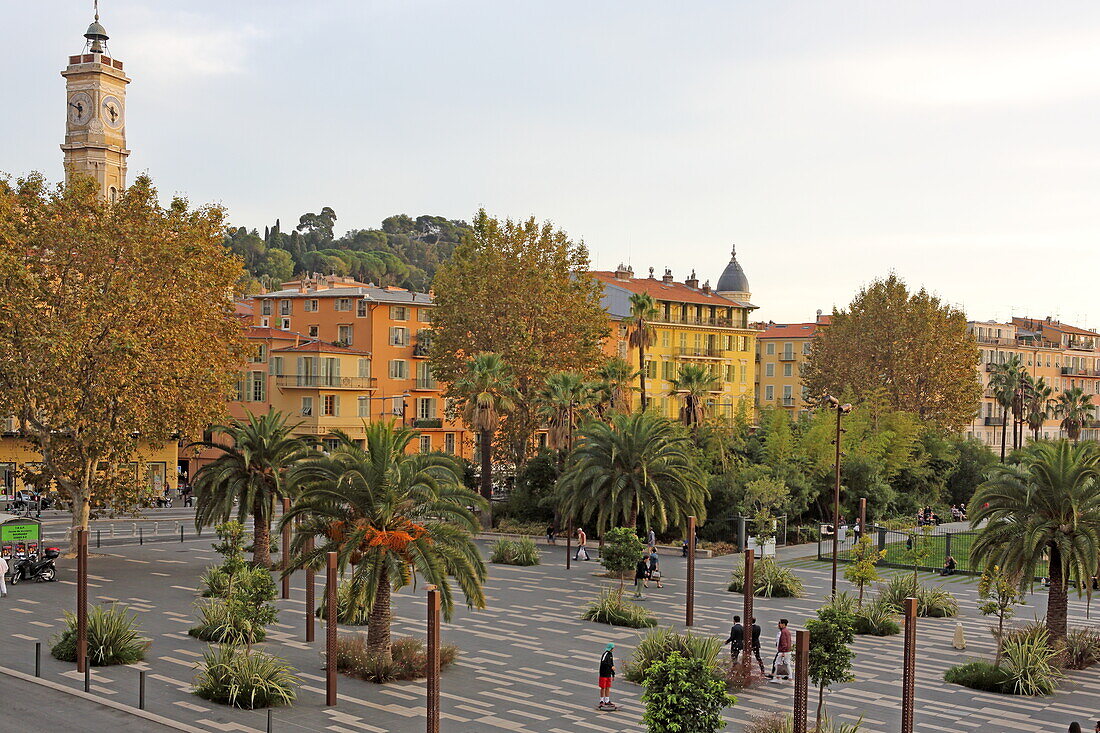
(623, 273)
(692, 282)
(706, 287)
(651, 274)
(667, 277)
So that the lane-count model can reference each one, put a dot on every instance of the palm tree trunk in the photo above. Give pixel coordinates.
(378, 622)
(261, 535)
(487, 476)
(1004, 426)
(632, 517)
(641, 373)
(1057, 599)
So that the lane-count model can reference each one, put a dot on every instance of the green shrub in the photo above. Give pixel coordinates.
(876, 619)
(661, 642)
(349, 611)
(610, 608)
(979, 675)
(511, 526)
(515, 552)
(1031, 664)
(769, 580)
(113, 637)
(257, 581)
(932, 601)
(222, 623)
(682, 695)
(409, 659)
(1081, 649)
(245, 679)
(780, 723)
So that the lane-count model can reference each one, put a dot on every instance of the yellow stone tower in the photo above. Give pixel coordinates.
(95, 123)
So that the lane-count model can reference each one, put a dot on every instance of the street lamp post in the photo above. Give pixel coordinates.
(404, 404)
(841, 411)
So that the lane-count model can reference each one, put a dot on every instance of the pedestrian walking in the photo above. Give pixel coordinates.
(654, 567)
(607, 674)
(756, 643)
(550, 540)
(582, 540)
(651, 537)
(781, 665)
(737, 639)
(3, 581)
(641, 573)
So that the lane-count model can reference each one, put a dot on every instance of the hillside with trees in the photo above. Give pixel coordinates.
(405, 251)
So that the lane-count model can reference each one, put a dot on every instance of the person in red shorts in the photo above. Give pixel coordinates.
(607, 673)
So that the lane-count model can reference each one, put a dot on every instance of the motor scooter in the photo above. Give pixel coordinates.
(33, 568)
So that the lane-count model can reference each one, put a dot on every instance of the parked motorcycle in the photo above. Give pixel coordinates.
(33, 568)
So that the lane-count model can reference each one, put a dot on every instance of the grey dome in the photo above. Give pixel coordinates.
(733, 278)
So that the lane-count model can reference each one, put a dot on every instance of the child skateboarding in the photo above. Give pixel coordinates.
(607, 673)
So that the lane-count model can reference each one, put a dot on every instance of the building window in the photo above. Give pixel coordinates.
(666, 338)
(399, 336)
(307, 406)
(261, 354)
(343, 334)
(284, 307)
(398, 408)
(788, 391)
(276, 366)
(806, 348)
(449, 443)
(769, 369)
(769, 393)
(364, 406)
(258, 385)
(361, 309)
(285, 324)
(331, 405)
(240, 387)
(310, 306)
(769, 349)
(399, 369)
(265, 307)
(343, 304)
(683, 341)
(425, 447)
(331, 444)
(730, 371)
(399, 313)
(788, 370)
(425, 408)
(651, 369)
(364, 368)
(314, 331)
(425, 315)
(667, 370)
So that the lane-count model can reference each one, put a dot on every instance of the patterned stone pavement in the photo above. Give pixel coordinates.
(527, 663)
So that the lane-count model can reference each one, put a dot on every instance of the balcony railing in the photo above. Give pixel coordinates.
(1079, 372)
(786, 357)
(702, 351)
(315, 381)
(428, 422)
(716, 321)
(422, 383)
(788, 401)
(998, 421)
(420, 350)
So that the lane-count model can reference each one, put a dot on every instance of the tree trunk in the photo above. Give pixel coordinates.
(641, 373)
(82, 509)
(1000, 636)
(1057, 599)
(378, 622)
(820, 707)
(1004, 426)
(261, 535)
(632, 517)
(487, 477)
(861, 591)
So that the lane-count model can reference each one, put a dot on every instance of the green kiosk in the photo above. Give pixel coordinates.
(19, 536)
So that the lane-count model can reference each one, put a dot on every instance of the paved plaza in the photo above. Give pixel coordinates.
(527, 663)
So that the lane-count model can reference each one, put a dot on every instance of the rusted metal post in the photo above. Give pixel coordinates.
(330, 638)
(909, 667)
(433, 659)
(311, 600)
(690, 610)
(836, 501)
(569, 546)
(862, 517)
(81, 600)
(801, 679)
(746, 607)
(285, 564)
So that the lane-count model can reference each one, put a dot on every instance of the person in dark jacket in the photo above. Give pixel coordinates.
(641, 573)
(737, 638)
(756, 643)
(607, 673)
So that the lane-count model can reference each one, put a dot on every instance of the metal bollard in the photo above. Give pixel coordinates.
(112, 530)
(141, 535)
(155, 528)
(98, 537)
(133, 530)
(141, 690)
(87, 677)
(270, 728)
(181, 533)
(37, 659)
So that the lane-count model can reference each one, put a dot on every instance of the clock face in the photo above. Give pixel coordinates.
(111, 111)
(80, 108)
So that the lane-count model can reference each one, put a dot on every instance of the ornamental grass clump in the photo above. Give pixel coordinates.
(932, 601)
(659, 643)
(113, 637)
(244, 678)
(1080, 649)
(350, 610)
(610, 608)
(770, 580)
(873, 619)
(240, 617)
(515, 552)
(409, 659)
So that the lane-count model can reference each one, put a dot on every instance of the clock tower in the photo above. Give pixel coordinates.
(95, 120)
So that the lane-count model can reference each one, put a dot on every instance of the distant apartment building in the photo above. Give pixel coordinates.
(782, 350)
(696, 324)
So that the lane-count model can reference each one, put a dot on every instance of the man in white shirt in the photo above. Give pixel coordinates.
(3, 572)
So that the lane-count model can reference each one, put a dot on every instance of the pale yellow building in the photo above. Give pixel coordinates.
(782, 350)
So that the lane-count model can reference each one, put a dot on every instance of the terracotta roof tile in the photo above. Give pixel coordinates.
(673, 291)
(792, 330)
(321, 347)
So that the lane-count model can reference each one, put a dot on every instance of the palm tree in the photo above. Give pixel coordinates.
(1048, 506)
(640, 464)
(251, 473)
(643, 310)
(1038, 399)
(489, 390)
(1075, 409)
(692, 384)
(1005, 382)
(563, 402)
(612, 387)
(389, 515)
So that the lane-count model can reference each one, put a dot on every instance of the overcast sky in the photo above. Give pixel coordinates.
(954, 143)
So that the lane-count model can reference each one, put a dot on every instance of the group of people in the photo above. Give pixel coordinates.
(958, 513)
(928, 518)
(1075, 727)
(782, 667)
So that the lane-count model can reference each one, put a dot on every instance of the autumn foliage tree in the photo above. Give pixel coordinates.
(518, 289)
(911, 345)
(117, 331)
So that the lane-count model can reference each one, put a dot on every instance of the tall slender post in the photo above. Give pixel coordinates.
(746, 609)
(836, 501)
(81, 599)
(909, 667)
(433, 659)
(801, 679)
(311, 600)
(862, 516)
(285, 564)
(330, 629)
(690, 610)
(569, 545)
